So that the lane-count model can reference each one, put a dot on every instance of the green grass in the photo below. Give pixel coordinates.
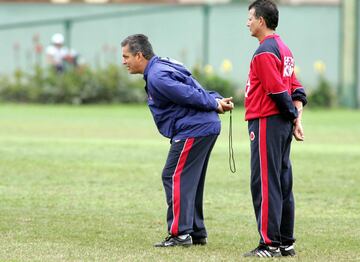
(84, 184)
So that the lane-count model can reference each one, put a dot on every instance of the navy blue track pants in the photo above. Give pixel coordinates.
(183, 179)
(271, 179)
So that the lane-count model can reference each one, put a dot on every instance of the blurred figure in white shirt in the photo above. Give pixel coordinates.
(59, 56)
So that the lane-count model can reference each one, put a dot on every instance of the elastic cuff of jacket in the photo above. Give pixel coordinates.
(299, 98)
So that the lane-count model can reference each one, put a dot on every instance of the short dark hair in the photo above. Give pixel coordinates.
(268, 10)
(139, 43)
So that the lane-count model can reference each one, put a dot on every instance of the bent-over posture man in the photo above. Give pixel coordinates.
(187, 114)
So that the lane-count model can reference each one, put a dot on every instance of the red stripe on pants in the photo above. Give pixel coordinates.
(264, 181)
(174, 230)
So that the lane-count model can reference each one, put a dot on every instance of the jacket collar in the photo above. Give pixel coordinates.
(149, 65)
(269, 36)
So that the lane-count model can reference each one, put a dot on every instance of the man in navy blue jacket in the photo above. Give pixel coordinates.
(187, 114)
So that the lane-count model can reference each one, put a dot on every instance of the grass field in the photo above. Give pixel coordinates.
(84, 184)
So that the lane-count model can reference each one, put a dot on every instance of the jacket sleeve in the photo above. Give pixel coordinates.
(266, 66)
(297, 91)
(173, 87)
(216, 95)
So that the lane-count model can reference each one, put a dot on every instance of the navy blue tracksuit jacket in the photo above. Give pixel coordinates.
(179, 104)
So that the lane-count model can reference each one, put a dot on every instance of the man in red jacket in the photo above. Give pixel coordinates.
(274, 101)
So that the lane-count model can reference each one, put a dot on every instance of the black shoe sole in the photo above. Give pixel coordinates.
(182, 245)
(177, 244)
(288, 254)
(200, 241)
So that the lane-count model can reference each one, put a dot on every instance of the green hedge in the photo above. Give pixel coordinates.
(323, 96)
(80, 86)
(113, 84)
(84, 85)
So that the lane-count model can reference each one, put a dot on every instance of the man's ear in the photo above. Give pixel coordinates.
(262, 20)
(139, 55)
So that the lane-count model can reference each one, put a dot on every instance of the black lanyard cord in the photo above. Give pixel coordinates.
(231, 150)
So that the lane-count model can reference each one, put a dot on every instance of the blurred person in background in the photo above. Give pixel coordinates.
(274, 101)
(187, 114)
(59, 56)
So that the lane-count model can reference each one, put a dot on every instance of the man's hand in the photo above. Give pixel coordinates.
(227, 104)
(219, 109)
(224, 105)
(298, 130)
